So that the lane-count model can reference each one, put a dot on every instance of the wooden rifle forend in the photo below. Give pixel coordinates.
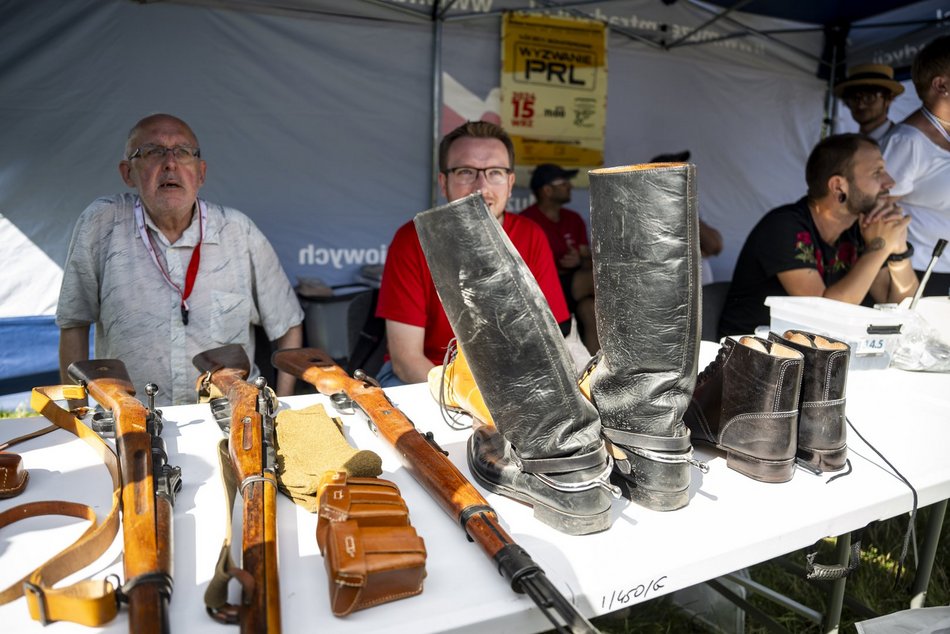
(149, 485)
(439, 476)
(252, 451)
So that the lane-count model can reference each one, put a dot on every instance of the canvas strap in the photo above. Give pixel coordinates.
(90, 602)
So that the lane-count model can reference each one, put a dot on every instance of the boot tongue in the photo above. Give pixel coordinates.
(799, 338)
(754, 343)
(825, 344)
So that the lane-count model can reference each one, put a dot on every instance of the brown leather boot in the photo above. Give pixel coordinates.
(822, 429)
(746, 403)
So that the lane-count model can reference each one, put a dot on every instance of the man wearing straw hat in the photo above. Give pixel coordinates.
(868, 92)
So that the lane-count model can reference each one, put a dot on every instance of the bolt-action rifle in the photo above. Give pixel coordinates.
(149, 485)
(251, 448)
(438, 475)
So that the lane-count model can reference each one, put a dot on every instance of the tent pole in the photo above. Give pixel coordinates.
(437, 24)
(835, 48)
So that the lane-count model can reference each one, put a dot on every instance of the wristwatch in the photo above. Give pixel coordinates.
(900, 257)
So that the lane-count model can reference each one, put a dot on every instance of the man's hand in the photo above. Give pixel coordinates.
(885, 227)
(570, 260)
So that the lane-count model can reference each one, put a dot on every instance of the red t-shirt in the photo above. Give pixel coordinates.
(407, 293)
(568, 233)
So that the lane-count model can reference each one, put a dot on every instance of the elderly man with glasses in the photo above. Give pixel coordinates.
(868, 92)
(476, 156)
(165, 275)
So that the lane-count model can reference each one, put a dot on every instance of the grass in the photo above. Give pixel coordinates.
(872, 584)
(20, 412)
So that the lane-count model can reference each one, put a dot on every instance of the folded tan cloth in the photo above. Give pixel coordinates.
(310, 443)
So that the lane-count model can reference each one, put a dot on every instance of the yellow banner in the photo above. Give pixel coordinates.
(554, 92)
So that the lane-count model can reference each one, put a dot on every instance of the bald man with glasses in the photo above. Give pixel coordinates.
(165, 275)
(476, 156)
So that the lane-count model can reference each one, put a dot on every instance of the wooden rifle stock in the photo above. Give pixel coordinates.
(440, 478)
(149, 485)
(251, 448)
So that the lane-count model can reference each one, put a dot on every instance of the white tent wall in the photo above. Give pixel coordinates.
(317, 129)
(319, 125)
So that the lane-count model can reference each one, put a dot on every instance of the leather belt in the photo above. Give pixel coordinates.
(90, 602)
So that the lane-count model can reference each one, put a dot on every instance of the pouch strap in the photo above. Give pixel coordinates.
(90, 602)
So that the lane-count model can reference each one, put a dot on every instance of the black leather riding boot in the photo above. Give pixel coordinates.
(746, 403)
(645, 243)
(546, 450)
(822, 428)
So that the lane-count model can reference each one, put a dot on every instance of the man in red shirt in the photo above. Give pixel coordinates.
(567, 235)
(477, 155)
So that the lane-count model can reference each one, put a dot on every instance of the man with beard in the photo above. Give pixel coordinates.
(165, 275)
(844, 240)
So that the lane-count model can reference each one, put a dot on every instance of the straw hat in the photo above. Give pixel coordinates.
(870, 75)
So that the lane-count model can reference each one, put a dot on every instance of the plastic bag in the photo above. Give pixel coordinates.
(921, 348)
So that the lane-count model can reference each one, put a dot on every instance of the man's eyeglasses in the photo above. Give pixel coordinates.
(863, 96)
(468, 175)
(150, 153)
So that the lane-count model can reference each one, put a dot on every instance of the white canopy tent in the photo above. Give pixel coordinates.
(317, 117)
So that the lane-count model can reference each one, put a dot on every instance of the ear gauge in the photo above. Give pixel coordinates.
(842, 197)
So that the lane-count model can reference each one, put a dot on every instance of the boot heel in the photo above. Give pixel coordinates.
(572, 524)
(761, 470)
(825, 459)
(659, 486)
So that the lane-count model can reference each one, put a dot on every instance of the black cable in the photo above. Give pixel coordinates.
(913, 512)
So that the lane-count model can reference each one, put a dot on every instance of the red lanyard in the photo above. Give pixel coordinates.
(192, 273)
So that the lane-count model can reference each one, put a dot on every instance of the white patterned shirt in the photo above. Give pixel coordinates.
(110, 280)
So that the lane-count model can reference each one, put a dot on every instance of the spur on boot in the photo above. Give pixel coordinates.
(746, 404)
(822, 427)
(573, 495)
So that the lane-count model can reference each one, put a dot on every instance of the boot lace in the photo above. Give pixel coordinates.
(713, 366)
(457, 419)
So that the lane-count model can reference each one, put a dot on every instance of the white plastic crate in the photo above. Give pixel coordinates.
(872, 333)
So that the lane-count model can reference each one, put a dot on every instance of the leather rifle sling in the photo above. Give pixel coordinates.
(90, 602)
(30, 436)
(216, 595)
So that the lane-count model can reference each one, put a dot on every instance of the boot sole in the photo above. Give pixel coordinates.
(772, 471)
(555, 518)
(825, 459)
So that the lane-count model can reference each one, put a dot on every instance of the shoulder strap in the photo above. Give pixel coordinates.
(90, 602)
(216, 595)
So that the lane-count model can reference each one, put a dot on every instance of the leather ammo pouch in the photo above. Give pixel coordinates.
(372, 565)
(369, 501)
(13, 476)
(371, 553)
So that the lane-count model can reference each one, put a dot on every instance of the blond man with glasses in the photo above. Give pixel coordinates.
(165, 275)
(476, 156)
